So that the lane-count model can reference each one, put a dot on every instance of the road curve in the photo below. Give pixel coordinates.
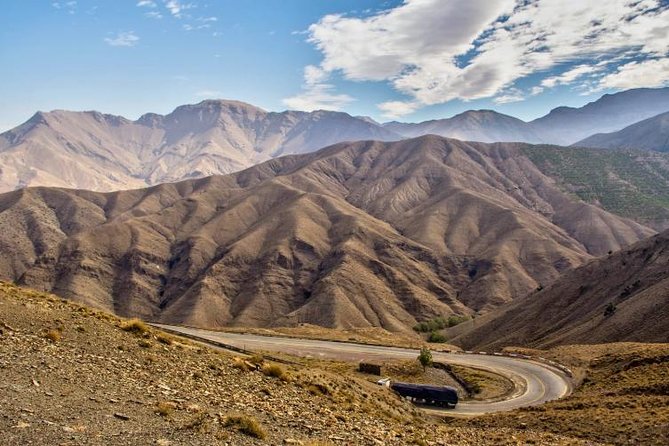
(536, 383)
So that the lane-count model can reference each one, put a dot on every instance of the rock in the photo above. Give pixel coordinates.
(121, 416)
(292, 441)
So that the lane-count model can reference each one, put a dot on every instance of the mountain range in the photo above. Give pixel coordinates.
(91, 150)
(357, 234)
(102, 152)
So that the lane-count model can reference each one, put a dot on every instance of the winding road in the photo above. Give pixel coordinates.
(536, 382)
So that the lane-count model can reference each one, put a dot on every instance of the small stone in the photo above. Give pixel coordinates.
(292, 441)
(22, 425)
(35, 383)
(121, 416)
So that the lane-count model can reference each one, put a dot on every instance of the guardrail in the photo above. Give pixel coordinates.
(564, 369)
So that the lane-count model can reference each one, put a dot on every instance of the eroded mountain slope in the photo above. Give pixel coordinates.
(357, 234)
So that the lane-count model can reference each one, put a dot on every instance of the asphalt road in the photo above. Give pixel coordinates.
(535, 382)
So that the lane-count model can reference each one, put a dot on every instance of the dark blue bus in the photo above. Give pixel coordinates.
(443, 396)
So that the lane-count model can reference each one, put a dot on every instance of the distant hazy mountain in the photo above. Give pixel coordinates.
(473, 125)
(612, 112)
(103, 152)
(649, 134)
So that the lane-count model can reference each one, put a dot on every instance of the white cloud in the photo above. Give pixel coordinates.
(176, 8)
(508, 96)
(397, 109)
(649, 73)
(147, 4)
(434, 51)
(154, 15)
(536, 90)
(69, 6)
(318, 96)
(314, 75)
(570, 76)
(123, 39)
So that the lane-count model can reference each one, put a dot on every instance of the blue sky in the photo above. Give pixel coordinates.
(410, 60)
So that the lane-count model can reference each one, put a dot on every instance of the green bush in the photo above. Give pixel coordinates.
(437, 337)
(439, 323)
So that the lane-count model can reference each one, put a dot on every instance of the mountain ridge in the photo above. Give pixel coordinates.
(621, 297)
(97, 151)
(358, 234)
(649, 134)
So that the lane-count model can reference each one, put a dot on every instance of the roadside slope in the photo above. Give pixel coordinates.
(95, 380)
(620, 297)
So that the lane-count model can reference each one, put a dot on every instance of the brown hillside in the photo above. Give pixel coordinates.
(622, 400)
(73, 375)
(633, 284)
(358, 234)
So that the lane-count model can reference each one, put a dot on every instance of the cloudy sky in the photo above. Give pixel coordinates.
(408, 60)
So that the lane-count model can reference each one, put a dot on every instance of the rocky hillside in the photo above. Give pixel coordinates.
(621, 399)
(623, 296)
(473, 125)
(91, 150)
(649, 134)
(355, 235)
(73, 375)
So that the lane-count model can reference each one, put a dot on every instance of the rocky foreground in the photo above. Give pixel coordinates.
(72, 375)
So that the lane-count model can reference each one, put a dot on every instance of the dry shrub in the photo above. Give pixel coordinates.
(165, 408)
(257, 359)
(53, 335)
(275, 371)
(165, 339)
(245, 424)
(135, 326)
(319, 389)
(240, 364)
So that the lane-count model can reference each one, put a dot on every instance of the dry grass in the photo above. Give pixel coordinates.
(242, 365)
(53, 335)
(245, 424)
(624, 398)
(135, 326)
(275, 371)
(165, 408)
(165, 339)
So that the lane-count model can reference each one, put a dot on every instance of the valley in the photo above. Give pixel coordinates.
(365, 234)
(333, 223)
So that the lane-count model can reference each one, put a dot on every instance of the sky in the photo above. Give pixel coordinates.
(408, 60)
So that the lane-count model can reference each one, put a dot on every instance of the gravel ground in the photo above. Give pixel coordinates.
(75, 376)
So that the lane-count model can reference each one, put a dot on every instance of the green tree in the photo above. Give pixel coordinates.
(425, 357)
